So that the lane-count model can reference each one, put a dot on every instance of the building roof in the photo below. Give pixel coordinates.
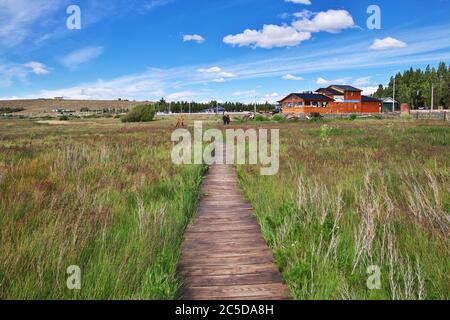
(330, 91)
(309, 96)
(345, 88)
(389, 100)
(370, 99)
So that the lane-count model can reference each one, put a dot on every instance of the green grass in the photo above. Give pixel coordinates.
(100, 195)
(105, 196)
(351, 194)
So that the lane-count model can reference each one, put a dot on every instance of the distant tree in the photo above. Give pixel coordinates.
(415, 86)
(141, 113)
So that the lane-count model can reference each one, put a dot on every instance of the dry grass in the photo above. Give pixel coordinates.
(103, 196)
(357, 194)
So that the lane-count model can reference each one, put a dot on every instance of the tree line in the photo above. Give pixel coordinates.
(194, 107)
(415, 87)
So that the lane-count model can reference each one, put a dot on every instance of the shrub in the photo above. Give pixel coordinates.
(353, 117)
(261, 118)
(64, 118)
(278, 118)
(141, 113)
(315, 116)
(10, 110)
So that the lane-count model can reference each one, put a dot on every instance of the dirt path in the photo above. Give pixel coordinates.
(224, 254)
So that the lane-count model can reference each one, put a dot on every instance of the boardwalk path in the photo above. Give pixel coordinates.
(224, 254)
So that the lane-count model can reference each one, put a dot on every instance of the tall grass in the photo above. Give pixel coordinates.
(102, 196)
(355, 195)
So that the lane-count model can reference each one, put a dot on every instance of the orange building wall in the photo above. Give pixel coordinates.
(334, 107)
(371, 107)
(345, 107)
(352, 95)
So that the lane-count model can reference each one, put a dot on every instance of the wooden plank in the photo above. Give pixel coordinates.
(233, 280)
(224, 255)
(198, 270)
(242, 253)
(238, 291)
(219, 261)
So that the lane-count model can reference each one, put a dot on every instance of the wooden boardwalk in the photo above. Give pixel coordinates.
(224, 255)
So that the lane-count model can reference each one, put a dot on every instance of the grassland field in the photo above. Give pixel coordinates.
(105, 196)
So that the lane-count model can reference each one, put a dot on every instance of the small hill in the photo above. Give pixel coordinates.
(45, 107)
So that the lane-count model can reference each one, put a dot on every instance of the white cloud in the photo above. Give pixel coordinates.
(153, 4)
(387, 43)
(292, 77)
(193, 37)
(225, 74)
(10, 98)
(11, 72)
(270, 97)
(362, 81)
(37, 67)
(369, 90)
(304, 14)
(18, 18)
(306, 2)
(332, 21)
(322, 81)
(182, 96)
(210, 70)
(269, 37)
(81, 56)
(245, 93)
(217, 73)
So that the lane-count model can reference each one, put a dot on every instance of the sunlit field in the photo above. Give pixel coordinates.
(99, 195)
(352, 195)
(106, 197)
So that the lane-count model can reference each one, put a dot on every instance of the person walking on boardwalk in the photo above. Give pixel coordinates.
(228, 119)
(180, 121)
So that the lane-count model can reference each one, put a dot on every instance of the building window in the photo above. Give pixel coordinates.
(297, 104)
(324, 104)
(288, 105)
(314, 104)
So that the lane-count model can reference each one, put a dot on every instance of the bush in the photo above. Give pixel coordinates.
(278, 118)
(353, 117)
(315, 116)
(142, 113)
(10, 110)
(64, 118)
(261, 118)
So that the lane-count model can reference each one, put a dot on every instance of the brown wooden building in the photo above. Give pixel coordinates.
(334, 99)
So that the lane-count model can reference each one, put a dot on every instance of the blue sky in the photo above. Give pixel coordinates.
(238, 50)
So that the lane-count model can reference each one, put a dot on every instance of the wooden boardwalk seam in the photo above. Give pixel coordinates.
(224, 255)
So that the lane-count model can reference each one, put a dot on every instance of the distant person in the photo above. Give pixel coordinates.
(180, 121)
(226, 119)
